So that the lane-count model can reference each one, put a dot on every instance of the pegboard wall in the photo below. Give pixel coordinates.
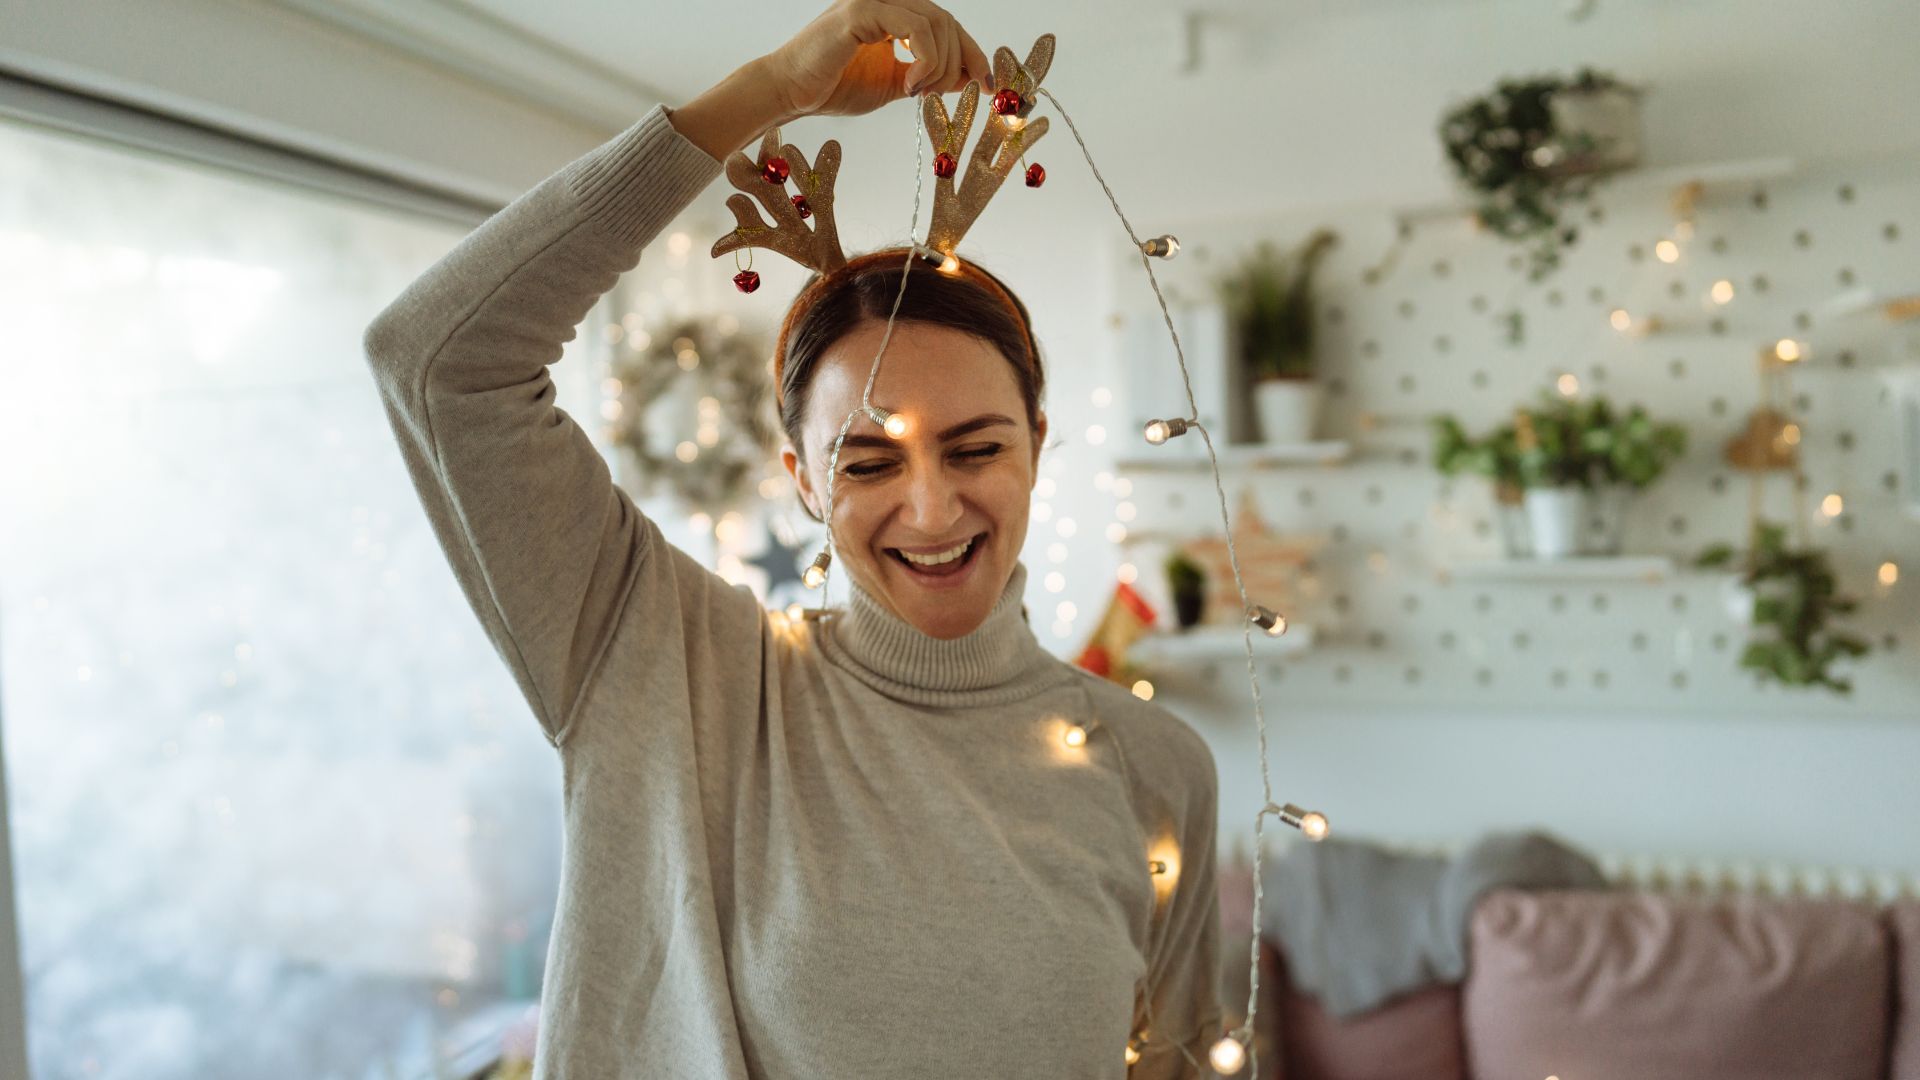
(1412, 322)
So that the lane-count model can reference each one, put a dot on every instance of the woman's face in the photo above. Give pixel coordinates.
(958, 482)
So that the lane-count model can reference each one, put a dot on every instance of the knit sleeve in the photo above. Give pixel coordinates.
(544, 545)
(1181, 1009)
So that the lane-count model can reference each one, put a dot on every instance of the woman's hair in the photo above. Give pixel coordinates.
(969, 299)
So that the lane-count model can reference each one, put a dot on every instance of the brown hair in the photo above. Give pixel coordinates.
(968, 298)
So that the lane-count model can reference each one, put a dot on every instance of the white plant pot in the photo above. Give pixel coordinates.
(1739, 599)
(1558, 517)
(1289, 409)
(1610, 118)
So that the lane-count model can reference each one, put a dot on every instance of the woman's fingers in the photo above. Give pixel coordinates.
(899, 21)
(961, 58)
(978, 66)
(951, 58)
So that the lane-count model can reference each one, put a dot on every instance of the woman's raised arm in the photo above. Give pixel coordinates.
(543, 544)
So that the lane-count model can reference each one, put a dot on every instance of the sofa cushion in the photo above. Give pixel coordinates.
(1596, 984)
(1903, 919)
(1413, 1037)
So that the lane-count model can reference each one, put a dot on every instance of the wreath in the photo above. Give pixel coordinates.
(695, 418)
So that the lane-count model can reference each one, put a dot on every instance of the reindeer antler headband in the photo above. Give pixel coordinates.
(956, 207)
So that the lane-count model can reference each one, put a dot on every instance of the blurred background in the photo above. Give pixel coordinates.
(1563, 360)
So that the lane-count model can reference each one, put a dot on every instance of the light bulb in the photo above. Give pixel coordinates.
(1722, 291)
(1159, 431)
(1314, 826)
(1621, 319)
(1014, 122)
(1311, 823)
(1667, 251)
(1143, 690)
(1568, 385)
(1227, 1056)
(896, 426)
(1133, 1053)
(816, 574)
(1788, 350)
(1156, 866)
(1269, 620)
(949, 265)
(1161, 247)
(1075, 736)
(1889, 573)
(795, 612)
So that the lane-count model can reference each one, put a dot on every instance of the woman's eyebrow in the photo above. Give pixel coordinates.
(964, 427)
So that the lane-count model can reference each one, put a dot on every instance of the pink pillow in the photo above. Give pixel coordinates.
(1631, 984)
(1413, 1037)
(1903, 919)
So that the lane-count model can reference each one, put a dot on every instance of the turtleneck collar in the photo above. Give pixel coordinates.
(999, 661)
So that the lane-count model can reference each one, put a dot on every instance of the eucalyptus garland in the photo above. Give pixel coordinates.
(696, 416)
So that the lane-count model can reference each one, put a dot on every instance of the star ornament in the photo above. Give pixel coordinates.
(780, 561)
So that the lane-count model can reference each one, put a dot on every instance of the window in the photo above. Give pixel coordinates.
(277, 808)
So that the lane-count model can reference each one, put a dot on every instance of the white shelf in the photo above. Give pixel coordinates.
(1245, 456)
(1649, 568)
(1209, 644)
(1750, 170)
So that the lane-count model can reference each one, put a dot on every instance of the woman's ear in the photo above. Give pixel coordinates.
(790, 458)
(1039, 440)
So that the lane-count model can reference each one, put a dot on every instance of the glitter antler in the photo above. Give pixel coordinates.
(998, 149)
(817, 248)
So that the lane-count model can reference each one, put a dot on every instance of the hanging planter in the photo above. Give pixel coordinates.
(1530, 147)
(1788, 596)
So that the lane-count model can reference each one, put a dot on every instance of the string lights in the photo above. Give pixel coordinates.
(1009, 129)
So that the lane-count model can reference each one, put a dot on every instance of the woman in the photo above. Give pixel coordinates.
(859, 846)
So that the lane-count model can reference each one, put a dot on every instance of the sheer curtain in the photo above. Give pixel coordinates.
(277, 808)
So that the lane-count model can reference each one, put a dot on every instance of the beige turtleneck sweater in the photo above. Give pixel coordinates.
(837, 848)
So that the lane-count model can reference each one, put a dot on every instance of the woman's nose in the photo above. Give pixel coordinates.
(933, 502)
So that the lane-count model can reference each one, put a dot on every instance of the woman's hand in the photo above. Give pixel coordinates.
(842, 63)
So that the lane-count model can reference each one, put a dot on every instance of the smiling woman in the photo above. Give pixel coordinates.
(897, 838)
(930, 523)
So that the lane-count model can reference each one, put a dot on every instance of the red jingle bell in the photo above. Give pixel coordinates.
(775, 171)
(943, 165)
(1006, 102)
(800, 206)
(746, 281)
(1036, 175)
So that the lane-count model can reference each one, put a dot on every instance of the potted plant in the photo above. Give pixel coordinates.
(1495, 456)
(1791, 596)
(1577, 458)
(1188, 584)
(1269, 303)
(1531, 146)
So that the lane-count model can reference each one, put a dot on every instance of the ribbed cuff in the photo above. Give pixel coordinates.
(635, 182)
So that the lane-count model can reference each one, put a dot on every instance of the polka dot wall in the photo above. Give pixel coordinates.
(1415, 313)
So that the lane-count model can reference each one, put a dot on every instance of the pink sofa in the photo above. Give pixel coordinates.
(1632, 985)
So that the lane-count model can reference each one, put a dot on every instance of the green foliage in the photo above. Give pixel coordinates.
(1184, 575)
(1269, 298)
(1503, 146)
(1586, 442)
(1794, 597)
(1494, 455)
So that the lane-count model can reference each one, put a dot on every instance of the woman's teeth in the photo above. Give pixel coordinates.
(936, 560)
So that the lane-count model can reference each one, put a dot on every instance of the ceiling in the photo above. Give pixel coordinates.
(1246, 106)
